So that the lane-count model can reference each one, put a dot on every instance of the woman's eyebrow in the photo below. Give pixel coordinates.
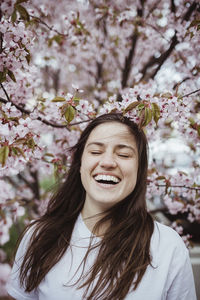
(121, 146)
(95, 143)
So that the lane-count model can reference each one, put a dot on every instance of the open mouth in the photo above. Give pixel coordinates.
(107, 179)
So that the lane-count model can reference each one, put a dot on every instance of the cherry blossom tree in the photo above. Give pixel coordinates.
(63, 63)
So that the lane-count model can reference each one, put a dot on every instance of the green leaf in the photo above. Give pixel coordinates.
(142, 117)
(155, 112)
(4, 152)
(31, 143)
(192, 121)
(76, 100)
(56, 38)
(167, 95)
(131, 106)
(23, 12)
(11, 75)
(69, 113)
(20, 151)
(49, 154)
(195, 22)
(28, 56)
(58, 99)
(50, 42)
(198, 129)
(55, 170)
(140, 106)
(14, 16)
(148, 116)
(14, 119)
(20, 141)
(14, 150)
(160, 178)
(3, 75)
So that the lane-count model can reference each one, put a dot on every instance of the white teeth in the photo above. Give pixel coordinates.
(106, 178)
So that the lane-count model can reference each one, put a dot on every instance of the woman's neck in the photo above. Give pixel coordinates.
(90, 219)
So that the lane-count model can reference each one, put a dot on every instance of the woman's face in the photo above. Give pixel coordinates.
(109, 166)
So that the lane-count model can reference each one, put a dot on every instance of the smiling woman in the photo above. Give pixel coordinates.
(97, 239)
(109, 167)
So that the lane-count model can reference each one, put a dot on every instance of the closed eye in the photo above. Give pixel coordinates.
(124, 155)
(95, 152)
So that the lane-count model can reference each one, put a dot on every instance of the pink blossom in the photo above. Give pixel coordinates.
(177, 227)
(173, 205)
(4, 230)
(5, 270)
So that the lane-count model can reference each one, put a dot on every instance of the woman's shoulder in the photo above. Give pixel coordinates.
(167, 240)
(166, 231)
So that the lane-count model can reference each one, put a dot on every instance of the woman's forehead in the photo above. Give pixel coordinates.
(110, 132)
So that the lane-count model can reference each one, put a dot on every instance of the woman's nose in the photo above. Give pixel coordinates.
(107, 161)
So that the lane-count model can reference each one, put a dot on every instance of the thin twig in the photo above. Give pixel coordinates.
(49, 27)
(154, 27)
(191, 93)
(5, 92)
(152, 9)
(180, 82)
(180, 186)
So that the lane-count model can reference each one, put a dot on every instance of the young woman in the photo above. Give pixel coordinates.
(96, 239)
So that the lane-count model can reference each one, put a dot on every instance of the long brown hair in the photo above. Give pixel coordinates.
(124, 251)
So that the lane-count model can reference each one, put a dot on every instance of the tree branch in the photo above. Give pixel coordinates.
(180, 186)
(43, 120)
(35, 184)
(27, 112)
(163, 57)
(173, 6)
(99, 71)
(25, 181)
(160, 60)
(128, 60)
(39, 118)
(190, 11)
